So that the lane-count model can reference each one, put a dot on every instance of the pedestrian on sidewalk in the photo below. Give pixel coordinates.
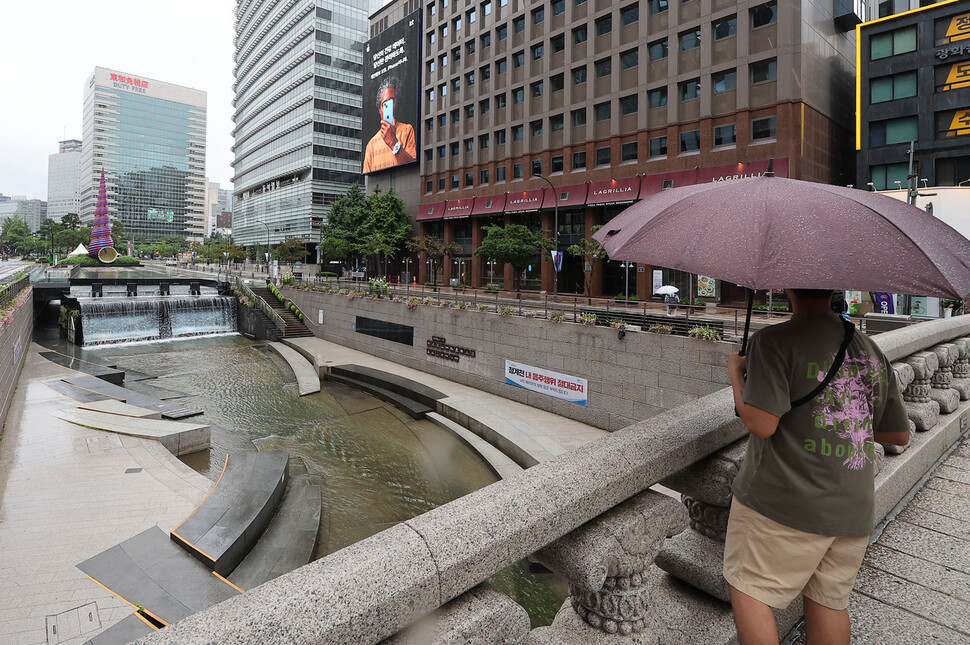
(814, 397)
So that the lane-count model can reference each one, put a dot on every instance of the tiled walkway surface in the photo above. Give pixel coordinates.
(67, 493)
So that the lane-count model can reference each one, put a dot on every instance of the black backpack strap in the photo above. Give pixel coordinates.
(836, 365)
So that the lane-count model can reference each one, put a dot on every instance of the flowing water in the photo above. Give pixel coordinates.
(377, 466)
(127, 319)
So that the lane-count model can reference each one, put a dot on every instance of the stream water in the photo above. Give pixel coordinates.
(376, 465)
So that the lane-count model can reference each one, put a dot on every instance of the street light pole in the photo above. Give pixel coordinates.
(263, 224)
(555, 239)
(626, 266)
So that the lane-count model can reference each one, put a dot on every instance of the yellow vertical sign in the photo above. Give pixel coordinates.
(959, 27)
(959, 76)
(960, 125)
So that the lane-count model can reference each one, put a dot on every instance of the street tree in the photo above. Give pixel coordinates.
(588, 251)
(292, 250)
(48, 232)
(431, 247)
(72, 221)
(514, 244)
(345, 220)
(386, 228)
(15, 234)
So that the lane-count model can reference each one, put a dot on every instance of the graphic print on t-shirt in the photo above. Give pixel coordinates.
(846, 407)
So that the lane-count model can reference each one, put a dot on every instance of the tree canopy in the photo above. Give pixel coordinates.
(588, 250)
(431, 247)
(15, 235)
(514, 244)
(369, 227)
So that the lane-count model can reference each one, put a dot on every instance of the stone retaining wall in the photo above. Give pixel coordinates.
(629, 379)
(14, 339)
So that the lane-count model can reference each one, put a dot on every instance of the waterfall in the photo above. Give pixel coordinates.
(115, 320)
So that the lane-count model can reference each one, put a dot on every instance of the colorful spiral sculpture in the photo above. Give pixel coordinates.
(101, 227)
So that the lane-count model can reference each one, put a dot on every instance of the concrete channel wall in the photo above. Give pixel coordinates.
(589, 516)
(629, 379)
(14, 339)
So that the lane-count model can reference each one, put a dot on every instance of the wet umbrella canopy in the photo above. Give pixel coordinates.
(770, 232)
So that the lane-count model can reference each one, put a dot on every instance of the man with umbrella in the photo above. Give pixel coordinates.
(816, 397)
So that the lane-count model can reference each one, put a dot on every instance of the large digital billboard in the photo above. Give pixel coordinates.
(392, 95)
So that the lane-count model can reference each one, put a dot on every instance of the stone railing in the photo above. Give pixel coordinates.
(263, 306)
(16, 324)
(589, 516)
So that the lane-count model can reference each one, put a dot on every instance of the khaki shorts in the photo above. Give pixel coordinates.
(773, 563)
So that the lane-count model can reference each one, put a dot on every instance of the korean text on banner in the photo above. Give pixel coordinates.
(560, 386)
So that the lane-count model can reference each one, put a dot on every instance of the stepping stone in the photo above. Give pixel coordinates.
(178, 438)
(168, 410)
(111, 406)
(127, 631)
(81, 365)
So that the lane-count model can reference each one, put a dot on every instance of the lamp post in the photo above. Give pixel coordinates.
(555, 238)
(626, 266)
(491, 272)
(407, 268)
(263, 224)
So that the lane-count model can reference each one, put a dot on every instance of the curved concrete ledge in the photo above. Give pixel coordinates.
(307, 377)
(179, 438)
(226, 526)
(500, 463)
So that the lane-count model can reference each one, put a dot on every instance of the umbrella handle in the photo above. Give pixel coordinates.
(747, 324)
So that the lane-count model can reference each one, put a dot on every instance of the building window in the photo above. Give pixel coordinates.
(657, 98)
(538, 51)
(430, 95)
(499, 137)
(469, 179)
(501, 66)
(536, 128)
(629, 58)
(455, 116)
(765, 128)
(725, 135)
(558, 7)
(517, 133)
(658, 147)
(441, 185)
(428, 186)
(431, 67)
(470, 16)
(604, 25)
(556, 123)
(429, 154)
(483, 176)
(535, 89)
(557, 82)
(764, 71)
(558, 43)
(536, 167)
(483, 141)
(469, 145)
(902, 130)
(764, 14)
(557, 164)
(431, 38)
(469, 110)
(580, 35)
(579, 75)
(500, 173)
(518, 59)
(657, 6)
(470, 47)
(517, 171)
(690, 141)
(486, 72)
(443, 90)
(726, 27)
(431, 10)
(483, 106)
(518, 95)
(538, 15)
(443, 31)
(487, 8)
(500, 101)
(456, 84)
(518, 24)
(629, 104)
(456, 24)
(579, 160)
(725, 81)
(486, 40)
(885, 177)
(628, 151)
(603, 67)
(897, 86)
(454, 181)
(690, 90)
(690, 39)
(579, 117)
(892, 43)
(502, 32)
(443, 120)
(630, 15)
(454, 149)
(603, 156)
(657, 49)
(602, 111)
(429, 124)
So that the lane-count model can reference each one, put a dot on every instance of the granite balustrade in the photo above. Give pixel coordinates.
(14, 339)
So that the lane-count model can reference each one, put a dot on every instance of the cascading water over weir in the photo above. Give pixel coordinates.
(140, 318)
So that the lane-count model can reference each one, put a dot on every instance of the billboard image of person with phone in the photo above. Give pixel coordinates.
(394, 143)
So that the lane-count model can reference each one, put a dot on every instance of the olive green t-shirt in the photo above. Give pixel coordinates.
(815, 473)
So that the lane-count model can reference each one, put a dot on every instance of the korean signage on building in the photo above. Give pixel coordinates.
(560, 386)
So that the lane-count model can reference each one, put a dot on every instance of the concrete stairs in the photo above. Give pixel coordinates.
(295, 328)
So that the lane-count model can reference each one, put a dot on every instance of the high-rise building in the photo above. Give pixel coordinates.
(32, 211)
(297, 120)
(914, 86)
(63, 180)
(149, 136)
(563, 112)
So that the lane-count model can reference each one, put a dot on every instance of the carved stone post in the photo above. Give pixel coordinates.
(941, 392)
(905, 374)
(606, 562)
(921, 410)
(960, 381)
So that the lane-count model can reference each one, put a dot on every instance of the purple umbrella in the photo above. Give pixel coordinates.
(770, 232)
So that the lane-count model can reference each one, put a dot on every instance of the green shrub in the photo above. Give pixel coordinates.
(661, 329)
(705, 333)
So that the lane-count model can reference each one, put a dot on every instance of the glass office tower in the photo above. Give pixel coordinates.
(298, 109)
(149, 136)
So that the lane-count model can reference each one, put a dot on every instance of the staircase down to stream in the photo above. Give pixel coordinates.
(295, 328)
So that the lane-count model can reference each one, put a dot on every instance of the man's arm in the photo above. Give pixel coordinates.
(758, 422)
(892, 438)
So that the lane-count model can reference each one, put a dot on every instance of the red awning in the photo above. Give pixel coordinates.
(458, 208)
(652, 184)
(569, 196)
(614, 191)
(490, 205)
(524, 201)
(430, 211)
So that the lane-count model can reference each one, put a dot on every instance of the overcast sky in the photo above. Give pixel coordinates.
(49, 49)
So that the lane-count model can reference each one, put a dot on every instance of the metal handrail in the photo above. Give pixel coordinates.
(263, 306)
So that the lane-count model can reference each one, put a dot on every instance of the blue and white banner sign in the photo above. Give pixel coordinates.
(557, 260)
(560, 386)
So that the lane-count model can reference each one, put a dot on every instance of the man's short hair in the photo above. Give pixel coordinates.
(390, 81)
(815, 294)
